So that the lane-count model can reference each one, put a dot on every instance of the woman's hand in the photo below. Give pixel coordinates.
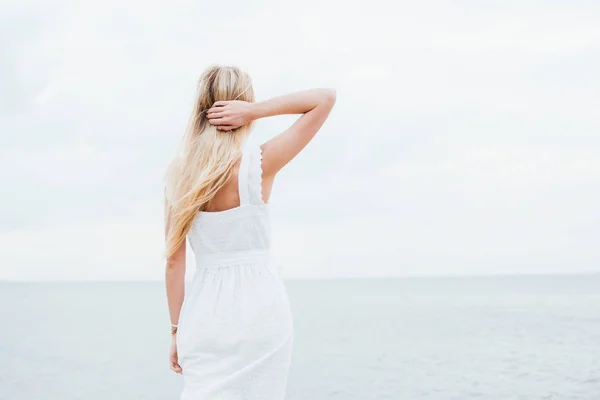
(173, 358)
(229, 115)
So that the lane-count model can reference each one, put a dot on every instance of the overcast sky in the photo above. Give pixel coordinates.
(465, 139)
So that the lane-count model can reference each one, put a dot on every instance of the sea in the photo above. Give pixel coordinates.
(438, 338)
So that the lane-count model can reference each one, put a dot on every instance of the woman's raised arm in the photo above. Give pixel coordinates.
(315, 105)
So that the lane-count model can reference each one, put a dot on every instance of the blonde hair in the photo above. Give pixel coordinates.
(207, 156)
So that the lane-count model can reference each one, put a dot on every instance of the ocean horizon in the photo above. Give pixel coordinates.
(591, 273)
(414, 337)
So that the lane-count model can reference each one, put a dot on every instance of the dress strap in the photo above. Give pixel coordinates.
(243, 177)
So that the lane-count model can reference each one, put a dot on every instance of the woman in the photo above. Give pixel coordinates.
(232, 336)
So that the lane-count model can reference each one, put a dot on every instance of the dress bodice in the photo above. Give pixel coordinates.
(240, 230)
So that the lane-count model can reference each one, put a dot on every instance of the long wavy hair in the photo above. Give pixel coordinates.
(207, 156)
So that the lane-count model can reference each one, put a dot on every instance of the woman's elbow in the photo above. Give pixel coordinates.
(175, 265)
(330, 96)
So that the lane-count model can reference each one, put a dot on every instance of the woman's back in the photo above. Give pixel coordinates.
(241, 227)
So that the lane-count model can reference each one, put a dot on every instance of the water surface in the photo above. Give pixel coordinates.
(530, 337)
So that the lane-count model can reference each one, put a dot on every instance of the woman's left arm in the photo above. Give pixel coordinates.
(175, 284)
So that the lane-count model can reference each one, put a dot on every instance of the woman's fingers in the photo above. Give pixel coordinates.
(218, 121)
(220, 116)
(222, 124)
(219, 106)
(216, 118)
(175, 367)
(216, 115)
(215, 111)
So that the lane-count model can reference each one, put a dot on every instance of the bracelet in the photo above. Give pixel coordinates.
(173, 329)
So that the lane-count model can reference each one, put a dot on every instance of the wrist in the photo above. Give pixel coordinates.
(255, 111)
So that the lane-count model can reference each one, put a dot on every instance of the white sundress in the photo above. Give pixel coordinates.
(235, 333)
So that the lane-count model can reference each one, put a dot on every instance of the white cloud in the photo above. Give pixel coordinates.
(465, 138)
